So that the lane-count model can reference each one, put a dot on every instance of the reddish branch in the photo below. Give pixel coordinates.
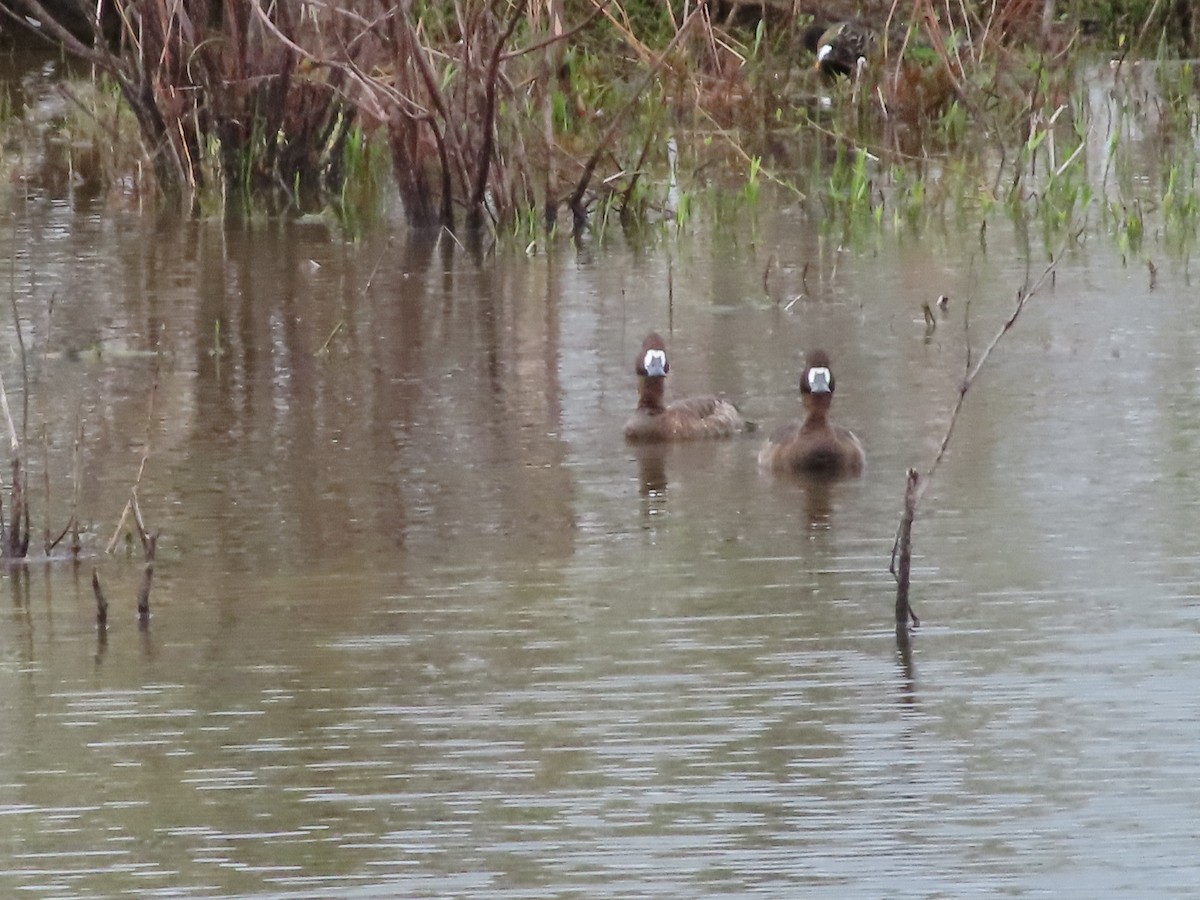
(475, 209)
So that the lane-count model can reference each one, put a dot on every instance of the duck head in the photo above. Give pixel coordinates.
(817, 383)
(652, 361)
(817, 377)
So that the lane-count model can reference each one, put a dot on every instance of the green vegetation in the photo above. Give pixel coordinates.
(501, 114)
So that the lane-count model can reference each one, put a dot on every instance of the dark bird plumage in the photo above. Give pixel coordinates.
(815, 445)
(840, 47)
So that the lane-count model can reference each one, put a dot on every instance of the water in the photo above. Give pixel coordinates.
(424, 625)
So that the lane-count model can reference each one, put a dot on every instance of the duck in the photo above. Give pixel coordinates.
(683, 420)
(815, 445)
(841, 47)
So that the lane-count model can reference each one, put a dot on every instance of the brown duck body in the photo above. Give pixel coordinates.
(815, 445)
(684, 420)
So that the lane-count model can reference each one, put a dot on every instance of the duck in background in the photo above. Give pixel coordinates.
(683, 420)
(816, 445)
(841, 48)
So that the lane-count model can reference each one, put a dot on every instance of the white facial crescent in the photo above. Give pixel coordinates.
(655, 363)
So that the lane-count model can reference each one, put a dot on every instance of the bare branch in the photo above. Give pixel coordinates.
(915, 486)
(559, 37)
(618, 120)
(489, 113)
(101, 601)
(52, 30)
(1023, 297)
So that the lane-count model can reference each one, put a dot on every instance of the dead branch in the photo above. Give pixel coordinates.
(575, 204)
(76, 480)
(101, 602)
(120, 525)
(15, 545)
(484, 164)
(916, 484)
(558, 36)
(419, 56)
(1023, 297)
(636, 173)
(51, 30)
(134, 509)
(143, 597)
(904, 610)
(131, 505)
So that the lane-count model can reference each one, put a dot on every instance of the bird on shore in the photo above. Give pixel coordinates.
(842, 48)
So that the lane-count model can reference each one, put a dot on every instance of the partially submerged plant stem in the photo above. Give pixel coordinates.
(904, 610)
(134, 509)
(101, 602)
(16, 540)
(915, 484)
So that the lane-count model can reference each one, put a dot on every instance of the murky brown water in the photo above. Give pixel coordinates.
(424, 625)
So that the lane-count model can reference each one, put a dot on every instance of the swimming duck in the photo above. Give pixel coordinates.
(815, 445)
(840, 47)
(695, 417)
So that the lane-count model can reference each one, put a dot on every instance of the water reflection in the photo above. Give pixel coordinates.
(818, 499)
(422, 625)
(652, 476)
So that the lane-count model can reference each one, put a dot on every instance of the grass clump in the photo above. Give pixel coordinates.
(507, 114)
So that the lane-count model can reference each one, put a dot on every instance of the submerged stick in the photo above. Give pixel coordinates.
(101, 602)
(120, 525)
(12, 540)
(76, 478)
(18, 538)
(46, 484)
(916, 485)
(134, 509)
(904, 610)
(329, 340)
(143, 598)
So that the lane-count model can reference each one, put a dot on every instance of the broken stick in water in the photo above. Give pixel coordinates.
(101, 602)
(133, 508)
(902, 567)
(916, 484)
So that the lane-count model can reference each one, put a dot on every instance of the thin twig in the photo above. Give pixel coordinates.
(336, 328)
(149, 541)
(15, 444)
(117, 532)
(557, 37)
(484, 164)
(916, 484)
(1023, 297)
(575, 204)
(46, 484)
